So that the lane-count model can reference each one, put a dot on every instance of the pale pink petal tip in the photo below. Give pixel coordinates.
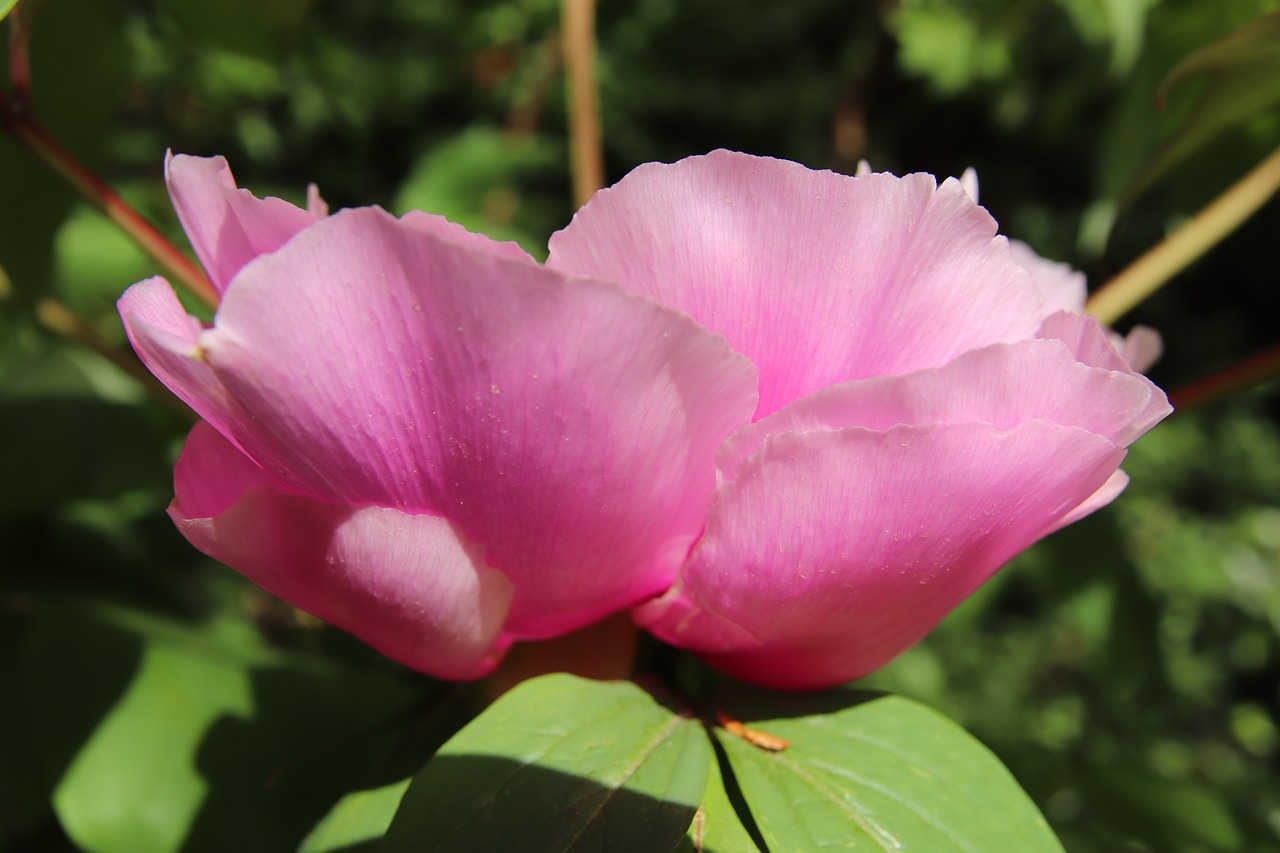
(1109, 491)
(316, 205)
(969, 180)
(1142, 348)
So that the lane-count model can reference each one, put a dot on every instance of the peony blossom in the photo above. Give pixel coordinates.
(792, 418)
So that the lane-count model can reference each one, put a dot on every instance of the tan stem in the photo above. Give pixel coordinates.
(56, 317)
(1195, 237)
(584, 100)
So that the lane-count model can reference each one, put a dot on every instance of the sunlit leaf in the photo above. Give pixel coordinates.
(360, 818)
(134, 786)
(558, 764)
(94, 261)
(1244, 66)
(948, 46)
(163, 736)
(6, 6)
(880, 771)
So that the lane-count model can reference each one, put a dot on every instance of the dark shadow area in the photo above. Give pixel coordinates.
(316, 734)
(535, 809)
(745, 703)
(736, 797)
(76, 448)
(62, 670)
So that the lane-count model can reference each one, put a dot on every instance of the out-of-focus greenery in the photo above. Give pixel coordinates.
(1127, 670)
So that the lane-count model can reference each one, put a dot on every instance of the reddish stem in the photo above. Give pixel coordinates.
(18, 118)
(1238, 377)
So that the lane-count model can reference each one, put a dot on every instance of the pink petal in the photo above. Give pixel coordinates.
(1003, 385)
(166, 337)
(1142, 348)
(1080, 332)
(167, 340)
(229, 227)
(833, 552)
(817, 277)
(566, 426)
(316, 205)
(1062, 287)
(412, 587)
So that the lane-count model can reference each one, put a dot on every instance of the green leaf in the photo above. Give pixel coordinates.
(163, 737)
(716, 826)
(358, 820)
(94, 261)
(6, 6)
(880, 771)
(947, 46)
(134, 786)
(474, 178)
(560, 764)
(1244, 65)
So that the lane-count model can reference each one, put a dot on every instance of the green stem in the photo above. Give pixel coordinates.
(1195, 237)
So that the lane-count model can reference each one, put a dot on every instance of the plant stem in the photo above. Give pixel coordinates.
(1195, 237)
(603, 651)
(578, 22)
(1238, 377)
(19, 120)
(56, 317)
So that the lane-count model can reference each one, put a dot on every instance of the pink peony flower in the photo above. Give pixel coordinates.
(791, 417)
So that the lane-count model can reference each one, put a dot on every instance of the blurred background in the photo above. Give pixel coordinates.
(1127, 670)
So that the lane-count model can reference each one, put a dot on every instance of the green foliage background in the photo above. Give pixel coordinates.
(1127, 670)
